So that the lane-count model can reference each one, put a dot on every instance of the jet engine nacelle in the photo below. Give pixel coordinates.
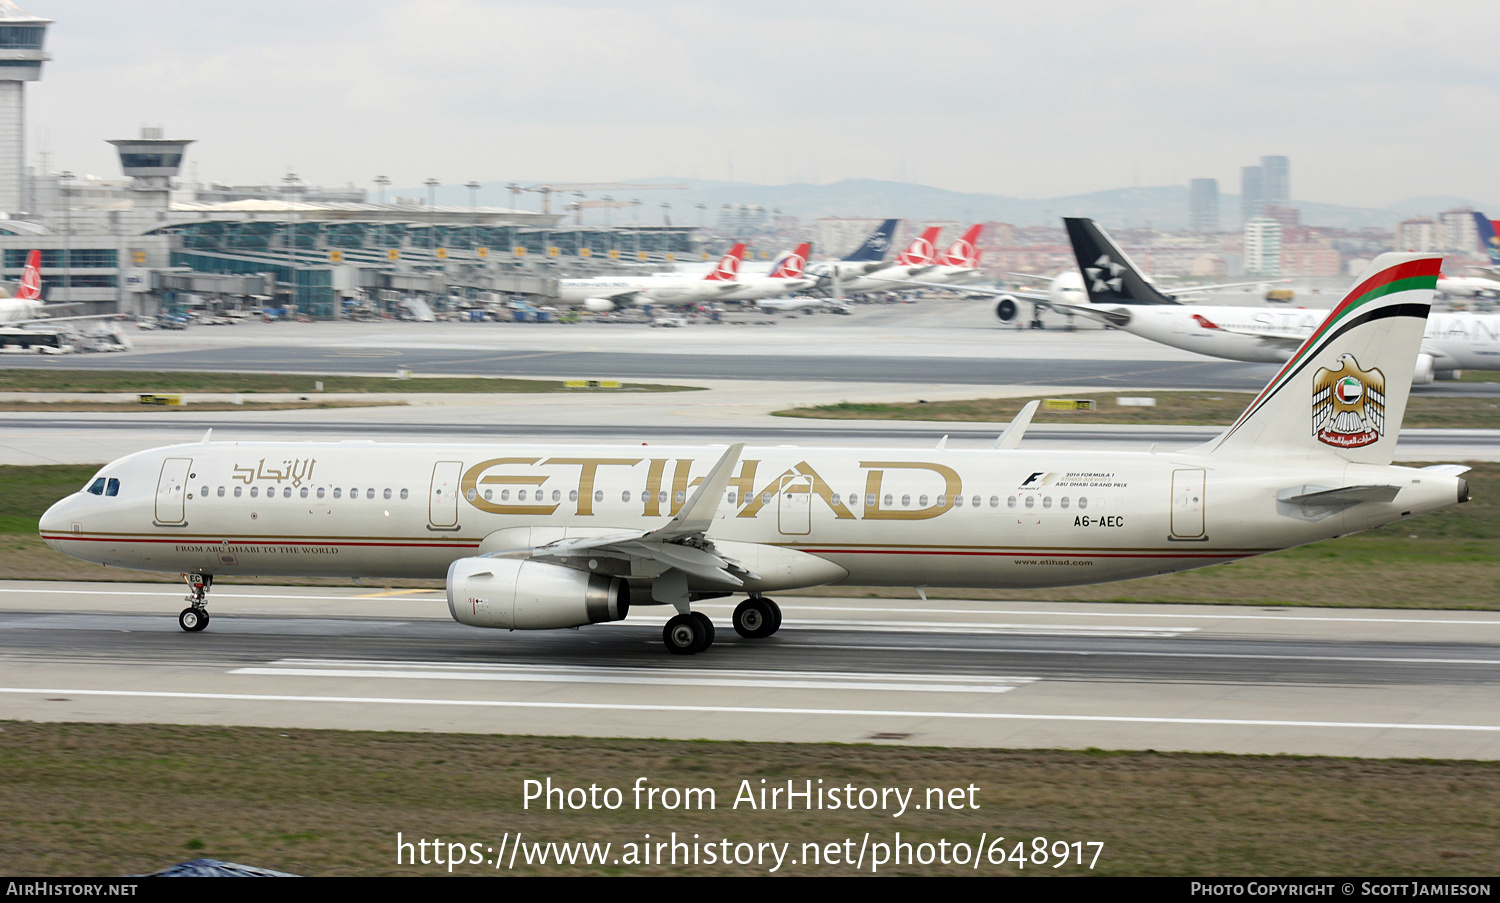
(1423, 374)
(599, 305)
(1008, 309)
(531, 595)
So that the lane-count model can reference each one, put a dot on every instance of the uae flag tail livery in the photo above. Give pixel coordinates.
(1344, 390)
(728, 269)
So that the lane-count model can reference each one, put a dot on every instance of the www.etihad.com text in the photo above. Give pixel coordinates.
(516, 850)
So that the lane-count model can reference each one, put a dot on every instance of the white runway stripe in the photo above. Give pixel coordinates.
(696, 677)
(745, 710)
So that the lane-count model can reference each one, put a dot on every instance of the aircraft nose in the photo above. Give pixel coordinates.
(57, 519)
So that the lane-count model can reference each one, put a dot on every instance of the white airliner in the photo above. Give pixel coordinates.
(957, 265)
(1468, 287)
(918, 257)
(27, 302)
(544, 536)
(787, 275)
(605, 293)
(1118, 294)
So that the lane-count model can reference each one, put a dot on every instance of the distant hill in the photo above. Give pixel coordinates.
(1165, 207)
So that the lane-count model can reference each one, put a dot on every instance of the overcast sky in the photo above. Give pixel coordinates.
(1374, 101)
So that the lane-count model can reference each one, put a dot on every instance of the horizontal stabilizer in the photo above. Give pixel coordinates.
(1317, 502)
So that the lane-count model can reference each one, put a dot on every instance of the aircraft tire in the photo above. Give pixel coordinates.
(192, 620)
(708, 629)
(753, 619)
(684, 635)
(775, 616)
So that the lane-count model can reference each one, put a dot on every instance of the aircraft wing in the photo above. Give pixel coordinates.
(1189, 289)
(59, 319)
(682, 543)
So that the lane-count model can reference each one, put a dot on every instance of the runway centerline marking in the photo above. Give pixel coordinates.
(792, 680)
(745, 710)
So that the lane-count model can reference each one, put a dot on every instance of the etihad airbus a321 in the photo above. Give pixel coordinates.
(545, 536)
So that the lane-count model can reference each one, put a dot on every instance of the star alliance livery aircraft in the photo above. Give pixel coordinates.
(542, 536)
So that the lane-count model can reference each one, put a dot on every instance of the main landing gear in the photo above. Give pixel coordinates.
(757, 617)
(195, 617)
(689, 634)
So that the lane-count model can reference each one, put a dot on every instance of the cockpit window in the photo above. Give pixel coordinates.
(113, 487)
(97, 487)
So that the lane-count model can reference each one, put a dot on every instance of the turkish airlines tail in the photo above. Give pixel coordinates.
(31, 278)
(965, 251)
(728, 269)
(792, 265)
(921, 250)
(1344, 391)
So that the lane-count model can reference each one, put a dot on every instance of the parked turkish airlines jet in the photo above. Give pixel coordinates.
(1120, 296)
(27, 302)
(605, 293)
(918, 257)
(960, 263)
(545, 536)
(786, 276)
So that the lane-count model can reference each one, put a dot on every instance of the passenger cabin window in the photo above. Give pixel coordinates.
(403, 494)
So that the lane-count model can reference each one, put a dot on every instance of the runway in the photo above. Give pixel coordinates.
(1019, 674)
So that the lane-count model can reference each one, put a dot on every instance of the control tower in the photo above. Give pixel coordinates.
(22, 37)
(152, 162)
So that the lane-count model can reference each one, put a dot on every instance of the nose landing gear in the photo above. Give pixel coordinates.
(195, 617)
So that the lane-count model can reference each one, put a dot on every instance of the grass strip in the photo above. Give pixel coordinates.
(103, 799)
(1172, 408)
(43, 379)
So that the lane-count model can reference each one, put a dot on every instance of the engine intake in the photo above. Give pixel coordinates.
(1008, 309)
(531, 595)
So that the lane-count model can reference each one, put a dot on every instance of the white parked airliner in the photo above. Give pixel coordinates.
(605, 293)
(546, 536)
(1118, 294)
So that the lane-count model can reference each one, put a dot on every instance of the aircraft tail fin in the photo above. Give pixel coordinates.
(792, 265)
(875, 245)
(1344, 391)
(1109, 275)
(1487, 237)
(921, 250)
(728, 269)
(31, 278)
(965, 251)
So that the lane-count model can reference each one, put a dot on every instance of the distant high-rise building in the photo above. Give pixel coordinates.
(1262, 247)
(1203, 205)
(1252, 192)
(1460, 233)
(1276, 181)
(1419, 233)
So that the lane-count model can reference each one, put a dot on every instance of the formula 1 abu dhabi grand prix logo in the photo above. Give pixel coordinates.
(1348, 404)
